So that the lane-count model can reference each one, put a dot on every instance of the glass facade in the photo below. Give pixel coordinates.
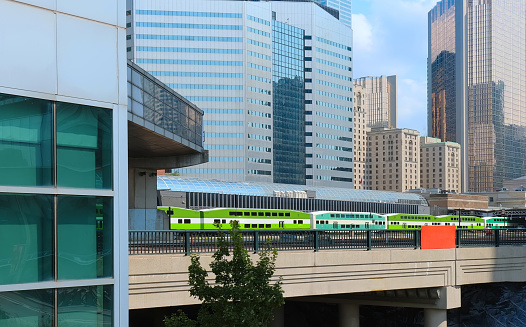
(442, 55)
(48, 238)
(289, 103)
(155, 103)
(496, 93)
(75, 306)
(260, 81)
(26, 141)
(495, 88)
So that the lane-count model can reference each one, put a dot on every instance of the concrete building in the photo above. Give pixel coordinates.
(476, 102)
(394, 159)
(381, 100)
(439, 164)
(275, 91)
(360, 138)
(63, 180)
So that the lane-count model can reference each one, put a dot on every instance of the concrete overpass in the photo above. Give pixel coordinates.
(429, 279)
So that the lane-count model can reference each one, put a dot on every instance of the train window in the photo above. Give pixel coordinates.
(267, 214)
(280, 214)
(261, 226)
(247, 225)
(318, 222)
(187, 221)
(260, 213)
(179, 221)
(247, 213)
(254, 213)
(332, 215)
(217, 221)
(274, 214)
(300, 221)
(337, 215)
(294, 222)
(224, 221)
(232, 213)
(287, 214)
(267, 226)
(254, 225)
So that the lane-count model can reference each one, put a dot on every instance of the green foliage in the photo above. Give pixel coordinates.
(243, 294)
(179, 319)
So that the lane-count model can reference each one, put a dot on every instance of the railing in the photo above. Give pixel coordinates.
(198, 241)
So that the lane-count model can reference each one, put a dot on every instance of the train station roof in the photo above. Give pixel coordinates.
(175, 183)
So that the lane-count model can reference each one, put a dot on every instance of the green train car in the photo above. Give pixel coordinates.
(415, 221)
(247, 218)
(336, 220)
(500, 222)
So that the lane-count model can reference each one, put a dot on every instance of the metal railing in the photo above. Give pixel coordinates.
(198, 241)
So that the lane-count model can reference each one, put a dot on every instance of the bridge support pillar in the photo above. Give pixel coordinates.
(349, 315)
(435, 317)
(279, 317)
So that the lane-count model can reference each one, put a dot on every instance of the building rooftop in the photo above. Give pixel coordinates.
(175, 183)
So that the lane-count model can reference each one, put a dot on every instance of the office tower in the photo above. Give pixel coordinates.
(394, 159)
(63, 166)
(361, 179)
(344, 8)
(273, 78)
(477, 89)
(381, 100)
(439, 164)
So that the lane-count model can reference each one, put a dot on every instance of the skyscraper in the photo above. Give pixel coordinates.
(380, 100)
(344, 7)
(477, 87)
(276, 89)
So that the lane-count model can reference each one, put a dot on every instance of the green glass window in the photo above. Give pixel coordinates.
(26, 308)
(26, 141)
(84, 237)
(26, 238)
(85, 306)
(84, 146)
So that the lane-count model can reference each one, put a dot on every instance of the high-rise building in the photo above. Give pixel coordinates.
(394, 159)
(360, 139)
(276, 91)
(439, 164)
(63, 166)
(381, 100)
(477, 89)
(344, 8)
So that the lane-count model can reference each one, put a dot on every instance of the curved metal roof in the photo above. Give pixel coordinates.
(175, 183)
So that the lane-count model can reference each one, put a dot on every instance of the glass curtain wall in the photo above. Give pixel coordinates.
(48, 238)
(288, 86)
(496, 92)
(442, 54)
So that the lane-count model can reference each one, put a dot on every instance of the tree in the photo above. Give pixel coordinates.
(243, 294)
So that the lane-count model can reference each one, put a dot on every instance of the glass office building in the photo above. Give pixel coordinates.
(344, 8)
(486, 112)
(63, 172)
(274, 80)
(288, 87)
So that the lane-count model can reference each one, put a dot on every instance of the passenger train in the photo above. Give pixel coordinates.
(327, 220)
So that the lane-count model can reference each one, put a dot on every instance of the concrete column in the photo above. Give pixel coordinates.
(435, 318)
(279, 317)
(349, 315)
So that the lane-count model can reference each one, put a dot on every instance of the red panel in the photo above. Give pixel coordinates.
(438, 237)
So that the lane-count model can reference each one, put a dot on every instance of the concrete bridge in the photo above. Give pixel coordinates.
(429, 279)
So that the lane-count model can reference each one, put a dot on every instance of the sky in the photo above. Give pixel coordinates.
(390, 38)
